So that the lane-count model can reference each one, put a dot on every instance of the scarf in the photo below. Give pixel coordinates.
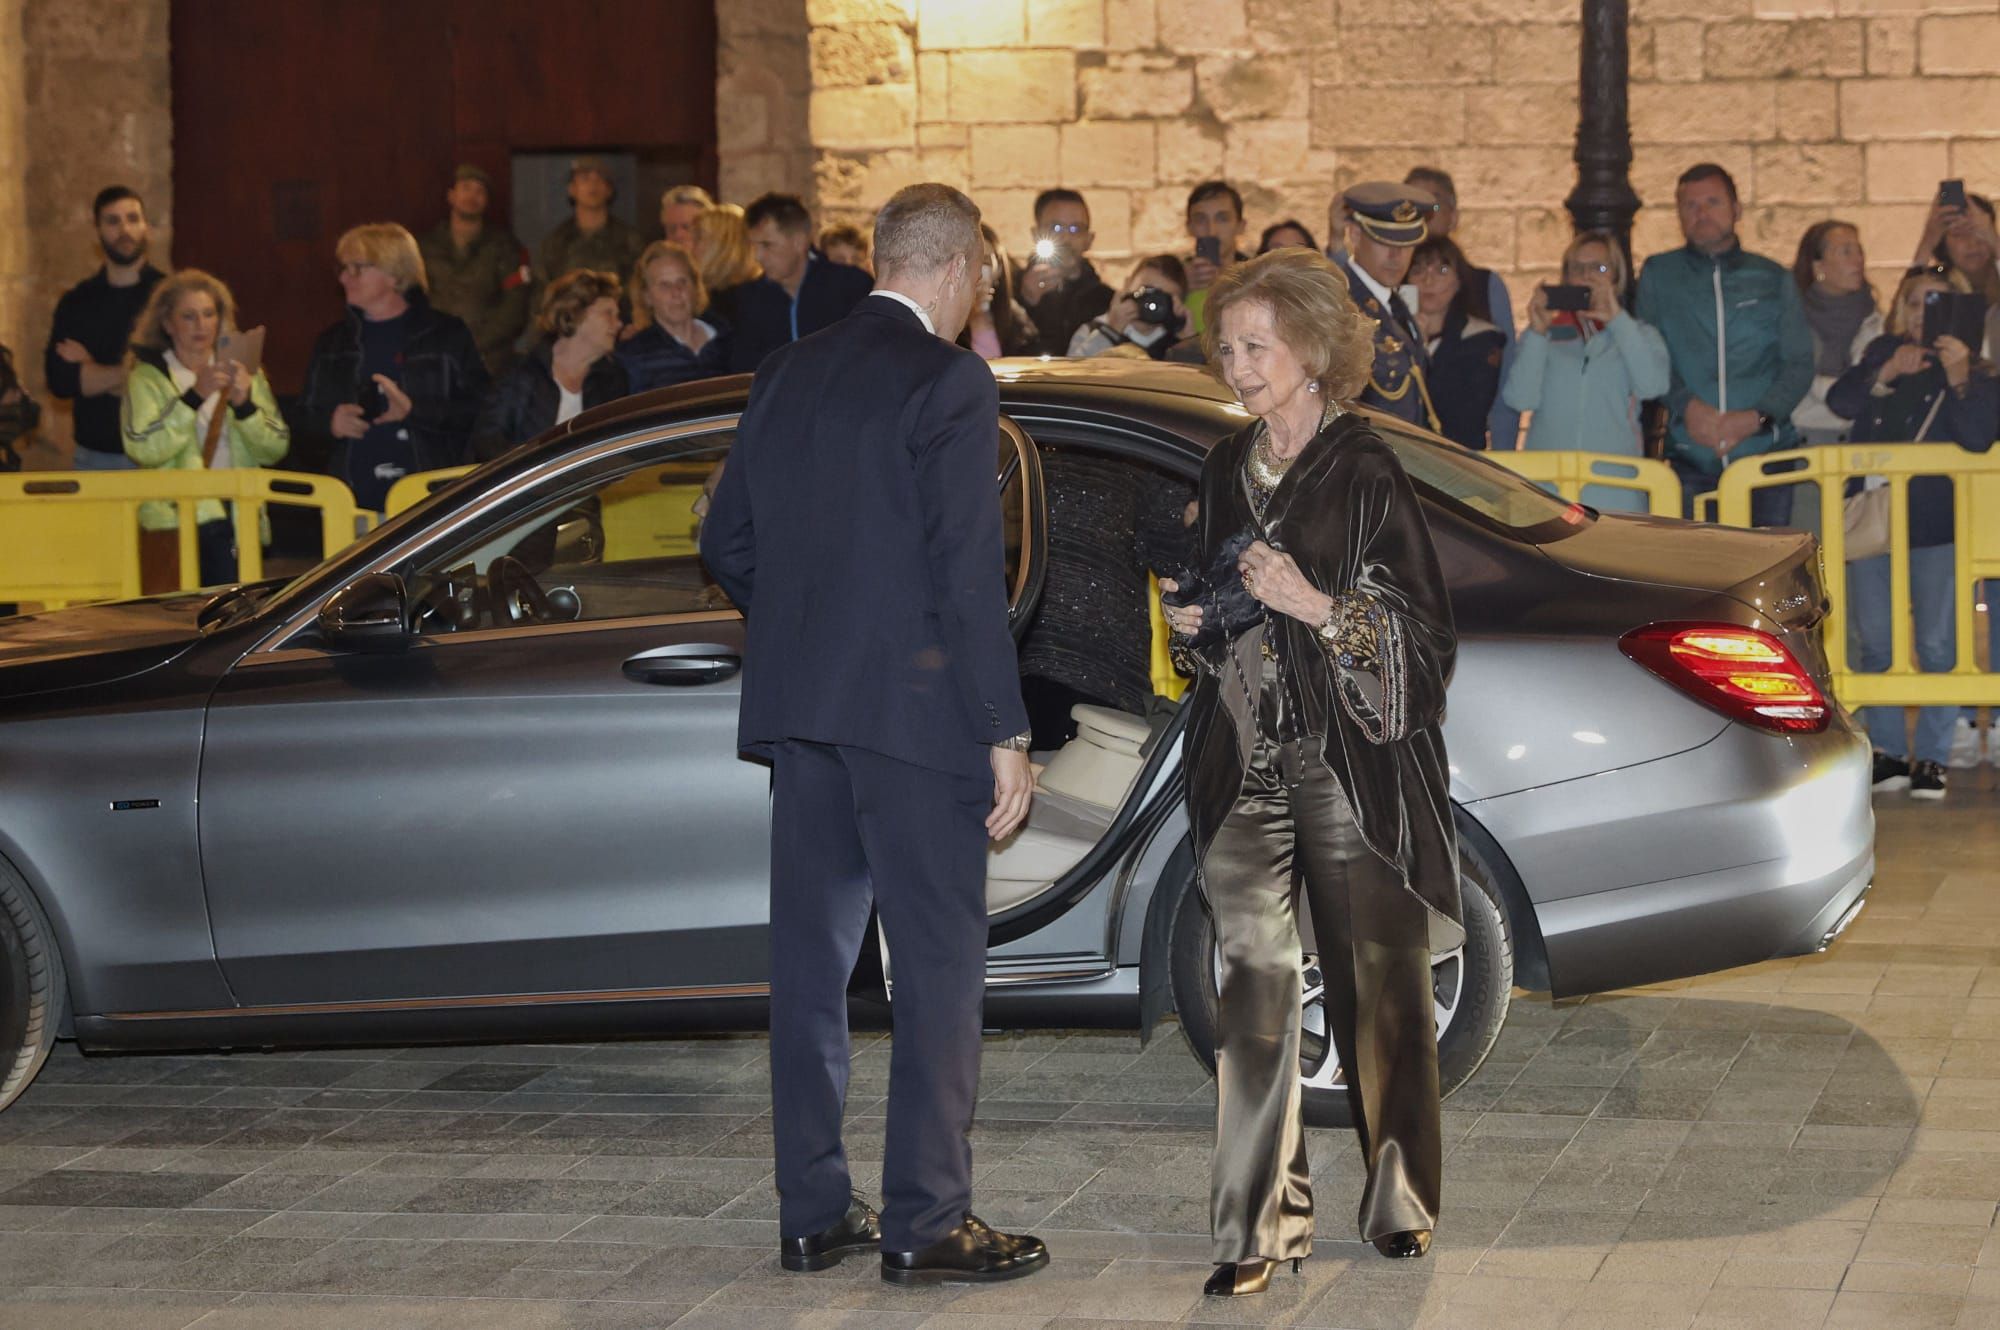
(1834, 321)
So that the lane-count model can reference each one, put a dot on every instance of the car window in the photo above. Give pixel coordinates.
(1489, 492)
(625, 546)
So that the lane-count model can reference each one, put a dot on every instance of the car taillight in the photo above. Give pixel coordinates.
(1745, 674)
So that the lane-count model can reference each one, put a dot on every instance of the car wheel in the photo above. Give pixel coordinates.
(31, 987)
(1472, 986)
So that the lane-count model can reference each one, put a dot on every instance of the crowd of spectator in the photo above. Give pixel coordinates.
(462, 345)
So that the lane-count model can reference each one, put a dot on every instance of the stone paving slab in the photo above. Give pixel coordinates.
(1808, 1142)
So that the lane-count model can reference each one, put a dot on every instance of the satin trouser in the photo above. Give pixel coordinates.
(1372, 936)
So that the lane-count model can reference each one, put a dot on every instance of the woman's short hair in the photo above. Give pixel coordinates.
(642, 300)
(1316, 317)
(722, 248)
(387, 246)
(150, 330)
(1471, 299)
(1621, 267)
(922, 227)
(570, 297)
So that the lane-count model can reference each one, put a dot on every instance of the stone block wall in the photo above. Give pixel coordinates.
(1854, 107)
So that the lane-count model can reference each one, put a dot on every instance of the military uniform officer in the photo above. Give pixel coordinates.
(478, 271)
(1385, 222)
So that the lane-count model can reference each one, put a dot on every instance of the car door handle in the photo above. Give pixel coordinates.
(683, 663)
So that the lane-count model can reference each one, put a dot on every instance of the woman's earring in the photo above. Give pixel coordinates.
(1313, 387)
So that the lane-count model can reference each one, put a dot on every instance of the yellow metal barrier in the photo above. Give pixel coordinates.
(1568, 472)
(1976, 555)
(68, 536)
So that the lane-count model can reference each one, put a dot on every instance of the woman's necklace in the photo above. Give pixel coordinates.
(1265, 468)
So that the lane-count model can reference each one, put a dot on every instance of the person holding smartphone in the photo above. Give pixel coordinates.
(393, 388)
(1960, 241)
(1584, 365)
(1057, 286)
(1910, 387)
(1215, 222)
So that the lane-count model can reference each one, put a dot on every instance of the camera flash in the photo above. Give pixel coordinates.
(1045, 248)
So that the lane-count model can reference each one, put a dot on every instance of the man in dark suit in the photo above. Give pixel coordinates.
(858, 527)
(800, 292)
(1384, 224)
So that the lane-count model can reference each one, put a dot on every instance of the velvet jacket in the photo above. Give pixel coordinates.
(1348, 515)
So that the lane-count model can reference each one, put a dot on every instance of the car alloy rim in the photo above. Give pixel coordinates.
(1319, 1064)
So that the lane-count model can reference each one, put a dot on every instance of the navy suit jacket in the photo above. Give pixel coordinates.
(761, 312)
(857, 525)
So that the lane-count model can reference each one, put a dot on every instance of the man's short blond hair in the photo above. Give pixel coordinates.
(387, 246)
(1316, 317)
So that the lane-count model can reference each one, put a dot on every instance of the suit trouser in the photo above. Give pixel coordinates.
(1372, 936)
(851, 830)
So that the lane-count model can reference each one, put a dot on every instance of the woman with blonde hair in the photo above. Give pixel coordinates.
(1315, 762)
(722, 250)
(188, 409)
(671, 345)
(393, 387)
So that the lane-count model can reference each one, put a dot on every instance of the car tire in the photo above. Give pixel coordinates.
(1483, 985)
(31, 987)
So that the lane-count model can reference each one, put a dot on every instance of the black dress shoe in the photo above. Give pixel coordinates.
(858, 1230)
(1404, 1245)
(972, 1253)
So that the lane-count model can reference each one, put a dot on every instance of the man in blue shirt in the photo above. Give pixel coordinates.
(800, 291)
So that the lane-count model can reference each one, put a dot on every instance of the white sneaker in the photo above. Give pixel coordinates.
(1964, 745)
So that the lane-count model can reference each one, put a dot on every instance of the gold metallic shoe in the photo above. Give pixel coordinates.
(1241, 1279)
(1404, 1245)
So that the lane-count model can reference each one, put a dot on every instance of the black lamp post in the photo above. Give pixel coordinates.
(1603, 199)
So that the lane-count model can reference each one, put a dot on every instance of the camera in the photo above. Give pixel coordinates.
(1951, 194)
(1575, 299)
(1157, 308)
(373, 401)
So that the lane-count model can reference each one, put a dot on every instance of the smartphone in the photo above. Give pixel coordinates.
(1575, 299)
(373, 401)
(1209, 247)
(1951, 194)
(1957, 314)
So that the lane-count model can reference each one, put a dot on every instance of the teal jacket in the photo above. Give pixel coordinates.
(1738, 339)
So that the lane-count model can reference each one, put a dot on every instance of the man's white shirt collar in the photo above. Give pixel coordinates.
(914, 307)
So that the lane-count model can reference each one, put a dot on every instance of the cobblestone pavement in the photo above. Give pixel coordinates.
(1810, 1142)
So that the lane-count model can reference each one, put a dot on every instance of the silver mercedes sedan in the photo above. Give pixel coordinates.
(475, 775)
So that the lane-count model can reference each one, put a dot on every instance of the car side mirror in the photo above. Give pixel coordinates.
(371, 613)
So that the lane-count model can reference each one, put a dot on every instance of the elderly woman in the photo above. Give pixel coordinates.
(671, 345)
(1315, 761)
(571, 370)
(187, 408)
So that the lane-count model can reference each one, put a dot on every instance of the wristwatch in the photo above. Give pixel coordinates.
(1019, 743)
(1766, 422)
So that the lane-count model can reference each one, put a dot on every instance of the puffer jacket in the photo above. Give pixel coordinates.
(162, 430)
